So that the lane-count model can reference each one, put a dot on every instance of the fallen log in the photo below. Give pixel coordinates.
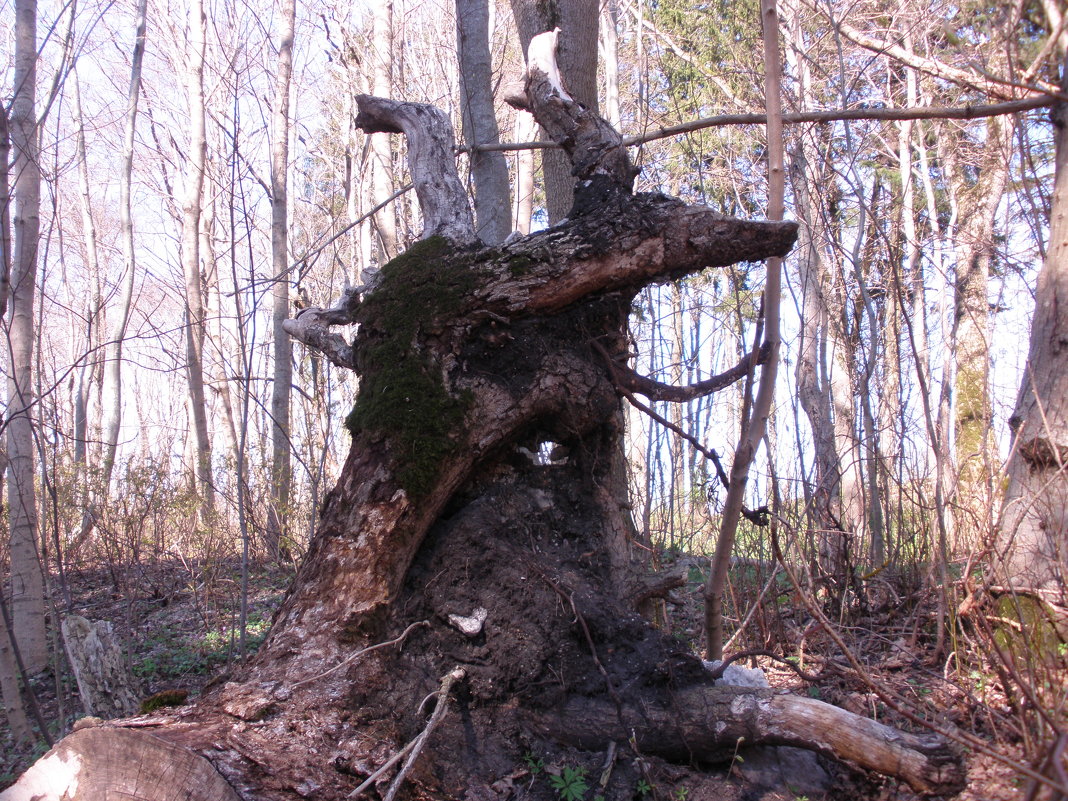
(711, 724)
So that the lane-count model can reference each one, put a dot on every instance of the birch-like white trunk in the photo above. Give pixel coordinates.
(14, 708)
(523, 193)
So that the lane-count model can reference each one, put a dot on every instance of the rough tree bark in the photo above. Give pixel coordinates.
(1033, 536)
(27, 577)
(445, 551)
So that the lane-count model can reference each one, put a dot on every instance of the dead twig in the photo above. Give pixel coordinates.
(416, 746)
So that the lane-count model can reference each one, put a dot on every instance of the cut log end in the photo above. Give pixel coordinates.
(106, 762)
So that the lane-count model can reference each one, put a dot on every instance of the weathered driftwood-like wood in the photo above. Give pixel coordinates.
(102, 762)
(431, 159)
(312, 327)
(104, 684)
(710, 724)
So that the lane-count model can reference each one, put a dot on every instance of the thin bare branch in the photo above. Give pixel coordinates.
(801, 117)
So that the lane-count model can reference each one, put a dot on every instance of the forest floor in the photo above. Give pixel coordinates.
(180, 623)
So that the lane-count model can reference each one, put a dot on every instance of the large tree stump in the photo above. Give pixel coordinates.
(454, 540)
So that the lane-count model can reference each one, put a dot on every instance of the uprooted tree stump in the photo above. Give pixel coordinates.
(456, 545)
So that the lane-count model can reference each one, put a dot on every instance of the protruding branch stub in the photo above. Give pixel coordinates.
(431, 159)
(312, 327)
(596, 149)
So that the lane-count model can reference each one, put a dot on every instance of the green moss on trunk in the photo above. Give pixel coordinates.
(403, 396)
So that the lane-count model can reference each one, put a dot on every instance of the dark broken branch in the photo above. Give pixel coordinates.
(758, 517)
(656, 585)
(648, 239)
(655, 390)
(596, 149)
(442, 199)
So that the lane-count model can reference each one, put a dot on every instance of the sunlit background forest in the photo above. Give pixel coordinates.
(181, 445)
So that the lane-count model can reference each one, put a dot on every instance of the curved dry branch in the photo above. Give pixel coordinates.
(431, 159)
(656, 390)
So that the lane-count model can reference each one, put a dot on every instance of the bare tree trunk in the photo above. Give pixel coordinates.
(608, 43)
(523, 195)
(92, 262)
(813, 387)
(489, 169)
(281, 472)
(1032, 536)
(385, 221)
(27, 578)
(5, 209)
(973, 414)
(195, 328)
(10, 689)
(112, 390)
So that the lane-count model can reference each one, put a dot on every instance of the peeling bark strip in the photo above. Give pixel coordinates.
(595, 148)
(96, 659)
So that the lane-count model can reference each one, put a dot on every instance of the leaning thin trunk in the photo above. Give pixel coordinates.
(92, 265)
(194, 189)
(112, 391)
(755, 424)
